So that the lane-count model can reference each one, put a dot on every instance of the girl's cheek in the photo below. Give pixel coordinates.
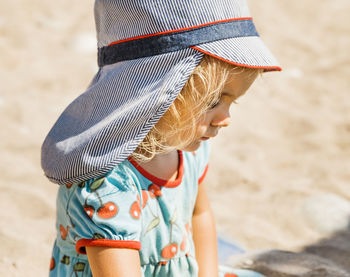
(201, 129)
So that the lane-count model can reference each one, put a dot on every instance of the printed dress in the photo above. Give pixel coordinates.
(130, 208)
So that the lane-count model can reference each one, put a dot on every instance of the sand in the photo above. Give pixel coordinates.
(279, 175)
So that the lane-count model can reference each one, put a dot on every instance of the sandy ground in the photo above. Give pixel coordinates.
(279, 176)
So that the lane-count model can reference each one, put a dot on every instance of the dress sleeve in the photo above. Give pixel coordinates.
(106, 212)
(202, 157)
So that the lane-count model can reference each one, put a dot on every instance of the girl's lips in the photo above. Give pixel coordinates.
(205, 138)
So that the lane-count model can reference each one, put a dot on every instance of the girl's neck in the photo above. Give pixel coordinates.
(164, 166)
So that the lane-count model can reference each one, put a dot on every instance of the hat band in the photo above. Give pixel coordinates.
(170, 41)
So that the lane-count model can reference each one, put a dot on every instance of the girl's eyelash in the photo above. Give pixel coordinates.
(213, 105)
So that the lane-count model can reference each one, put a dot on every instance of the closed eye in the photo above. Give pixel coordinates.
(212, 106)
(214, 103)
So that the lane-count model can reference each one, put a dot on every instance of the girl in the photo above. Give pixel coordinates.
(131, 152)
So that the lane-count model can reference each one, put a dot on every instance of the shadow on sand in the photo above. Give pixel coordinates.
(330, 257)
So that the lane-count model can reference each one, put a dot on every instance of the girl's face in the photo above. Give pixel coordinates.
(218, 116)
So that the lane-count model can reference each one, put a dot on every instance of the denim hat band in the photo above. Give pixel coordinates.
(175, 40)
(147, 50)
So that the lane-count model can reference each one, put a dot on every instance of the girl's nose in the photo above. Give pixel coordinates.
(221, 120)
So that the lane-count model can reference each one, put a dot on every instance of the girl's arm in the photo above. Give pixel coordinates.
(204, 235)
(113, 262)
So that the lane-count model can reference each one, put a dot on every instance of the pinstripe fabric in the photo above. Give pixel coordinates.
(121, 19)
(105, 124)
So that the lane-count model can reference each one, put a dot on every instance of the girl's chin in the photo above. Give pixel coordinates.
(192, 147)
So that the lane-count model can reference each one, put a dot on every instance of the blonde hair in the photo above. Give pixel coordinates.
(201, 91)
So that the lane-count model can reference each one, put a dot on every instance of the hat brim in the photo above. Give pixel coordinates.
(106, 123)
(242, 51)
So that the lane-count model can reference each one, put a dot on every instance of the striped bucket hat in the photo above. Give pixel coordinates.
(147, 50)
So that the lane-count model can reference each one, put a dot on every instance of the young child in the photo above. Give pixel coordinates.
(131, 152)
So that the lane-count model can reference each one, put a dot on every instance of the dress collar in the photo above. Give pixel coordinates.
(158, 181)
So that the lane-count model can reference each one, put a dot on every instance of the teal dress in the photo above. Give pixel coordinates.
(130, 208)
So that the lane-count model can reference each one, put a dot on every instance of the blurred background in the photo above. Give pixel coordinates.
(279, 175)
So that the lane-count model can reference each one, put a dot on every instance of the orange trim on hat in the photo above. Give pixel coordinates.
(179, 30)
(82, 243)
(269, 68)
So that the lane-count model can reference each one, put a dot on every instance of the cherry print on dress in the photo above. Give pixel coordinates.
(89, 210)
(154, 190)
(170, 250)
(64, 232)
(144, 198)
(52, 264)
(68, 186)
(135, 210)
(106, 210)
